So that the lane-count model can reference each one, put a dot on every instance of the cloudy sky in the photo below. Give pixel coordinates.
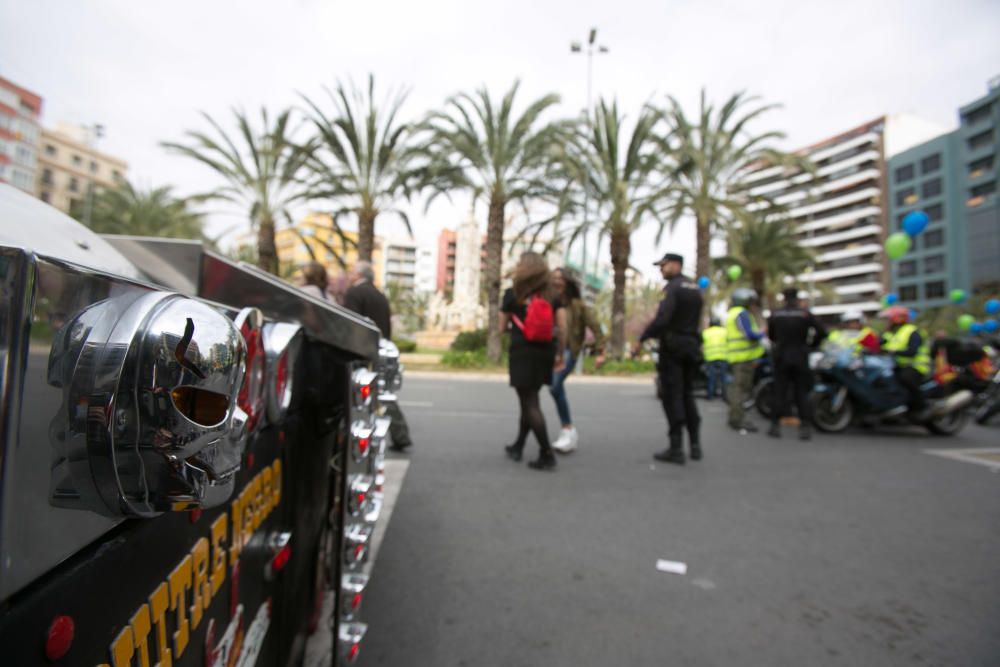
(144, 70)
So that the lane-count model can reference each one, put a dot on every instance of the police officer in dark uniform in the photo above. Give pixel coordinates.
(676, 327)
(793, 331)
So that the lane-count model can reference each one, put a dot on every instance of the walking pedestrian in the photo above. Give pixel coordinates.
(676, 327)
(313, 280)
(793, 331)
(536, 320)
(743, 348)
(713, 348)
(365, 299)
(579, 318)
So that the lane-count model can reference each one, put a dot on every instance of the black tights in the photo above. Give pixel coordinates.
(532, 419)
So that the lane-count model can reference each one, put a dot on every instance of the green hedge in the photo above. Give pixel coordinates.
(469, 341)
(405, 345)
(465, 359)
(624, 367)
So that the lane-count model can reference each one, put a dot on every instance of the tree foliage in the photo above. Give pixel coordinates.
(126, 209)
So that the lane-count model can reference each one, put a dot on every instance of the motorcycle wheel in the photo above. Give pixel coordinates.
(989, 405)
(829, 420)
(948, 424)
(763, 397)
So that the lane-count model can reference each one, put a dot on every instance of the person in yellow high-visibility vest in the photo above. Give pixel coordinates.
(911, 349)
(713, 348)
(743, 347)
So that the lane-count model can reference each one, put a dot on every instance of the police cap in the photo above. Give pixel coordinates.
(669, 257)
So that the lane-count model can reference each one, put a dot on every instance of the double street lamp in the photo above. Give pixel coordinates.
(590, 48)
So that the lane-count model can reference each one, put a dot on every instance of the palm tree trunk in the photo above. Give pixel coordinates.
(621, 247)
(267, 253)
(366, 234)
(703, 238)
(494, 259)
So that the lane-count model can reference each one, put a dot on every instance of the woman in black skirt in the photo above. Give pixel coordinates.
(532, 363)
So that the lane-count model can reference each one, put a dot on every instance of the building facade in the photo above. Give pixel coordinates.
(400, 266)
(314, 237)
(979, 177)
(840, 210)
(20, 113)
(69, 167)
(926, 178)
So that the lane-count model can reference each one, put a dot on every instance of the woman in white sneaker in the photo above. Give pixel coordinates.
(579, 318)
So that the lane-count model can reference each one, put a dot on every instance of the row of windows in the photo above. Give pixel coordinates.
(931, 188)
(935, 213)
(932, 264)
(981, 140)
(977, 115)
(932, 290)
(928, 165)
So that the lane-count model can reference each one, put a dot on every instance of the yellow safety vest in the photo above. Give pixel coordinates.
(739, 348)
(713, 344)
(900, 340)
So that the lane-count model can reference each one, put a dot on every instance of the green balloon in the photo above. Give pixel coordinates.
(957, 296)
(897, 245)
(734, 272)
(965, 321)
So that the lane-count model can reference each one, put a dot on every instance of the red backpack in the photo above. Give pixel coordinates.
(537, 325)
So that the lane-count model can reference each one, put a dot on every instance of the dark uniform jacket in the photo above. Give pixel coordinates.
(365, 299)
(788, 329)
(677, 318)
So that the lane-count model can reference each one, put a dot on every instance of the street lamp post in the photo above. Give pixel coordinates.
(577, 47)
(96, 131)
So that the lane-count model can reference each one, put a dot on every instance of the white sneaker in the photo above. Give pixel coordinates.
(562, 443)
(572, 437)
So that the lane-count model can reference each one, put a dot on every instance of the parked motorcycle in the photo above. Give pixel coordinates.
(864, 387)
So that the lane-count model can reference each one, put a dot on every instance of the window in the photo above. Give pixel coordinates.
(116, 175)
(981, 140)
(935, 290)
(908, 293)
(74, 185)
(908, 268)
(904, 173)
(46, 196)
(984, 189)
(77, 160)
(93, 167)
(934, 238)
(931, 188)
(977, 115)
(933, 263)
(47, 177)
(934, 212)
(50, 150)
(930, 163)
(903, 196)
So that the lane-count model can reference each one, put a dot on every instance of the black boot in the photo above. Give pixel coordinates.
(775, 430)
(674, 453)
(696, 451)
(514, 451)
(805, 431)
(546, 461)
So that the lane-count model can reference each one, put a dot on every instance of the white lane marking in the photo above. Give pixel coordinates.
(416, 404)
(984, 456)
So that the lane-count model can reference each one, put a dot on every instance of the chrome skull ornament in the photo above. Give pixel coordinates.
(150, 421)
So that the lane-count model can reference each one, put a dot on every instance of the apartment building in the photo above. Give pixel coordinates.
(314, 237)
(69, 165)
(408, 265)
(979, 178)
(20, 113)
(840, 210)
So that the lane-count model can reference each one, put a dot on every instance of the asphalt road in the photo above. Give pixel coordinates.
(860, 549)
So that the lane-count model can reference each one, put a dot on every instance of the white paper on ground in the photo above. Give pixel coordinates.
(671, 566)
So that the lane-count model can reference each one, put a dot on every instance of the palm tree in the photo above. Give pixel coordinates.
(714, 153)
(125, 209)
(766, 247)
(362, 159)
(261, 169)
(627, 185)
(480, 146)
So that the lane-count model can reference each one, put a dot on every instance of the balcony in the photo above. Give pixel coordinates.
(842, 147)
(865, 194)
(865, 249)
(841, 220)
(841, 272)
(859, 288)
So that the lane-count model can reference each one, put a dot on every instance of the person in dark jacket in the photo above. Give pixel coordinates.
(365, 299)
(676, 327)
(793, 331)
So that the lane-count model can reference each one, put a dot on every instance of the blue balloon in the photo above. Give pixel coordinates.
(891, 298)
(703, 282)
(915, 222)
(991, 326)
(913, 314)
(993, 306)
(976, 328)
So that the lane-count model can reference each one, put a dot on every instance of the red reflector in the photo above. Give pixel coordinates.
(280, 559)
(361, 499)
(363, 446)
(194, 515)
(352, 654)
(366, 391)
(281, 376)
(281, 436)
(60, 637)
(355, 601)
(359, 550)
